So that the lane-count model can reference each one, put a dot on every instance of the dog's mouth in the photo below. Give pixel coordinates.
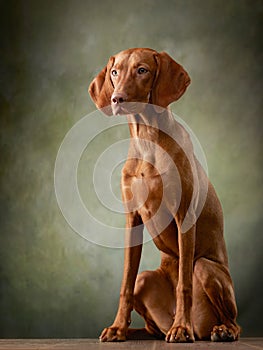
(119, 109)
(127, 108)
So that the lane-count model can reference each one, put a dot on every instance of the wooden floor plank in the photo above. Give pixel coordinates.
(94, 344)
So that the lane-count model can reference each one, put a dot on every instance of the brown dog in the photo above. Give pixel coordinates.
(165, 188)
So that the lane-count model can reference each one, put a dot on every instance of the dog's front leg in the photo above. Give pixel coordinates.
(182, 328)
(132, 254)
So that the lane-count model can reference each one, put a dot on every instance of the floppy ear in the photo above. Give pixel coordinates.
(171, 81)
(101, 88)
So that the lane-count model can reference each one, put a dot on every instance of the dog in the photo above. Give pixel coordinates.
(164, 187)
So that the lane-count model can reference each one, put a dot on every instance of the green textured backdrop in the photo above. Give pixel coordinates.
(53, 283)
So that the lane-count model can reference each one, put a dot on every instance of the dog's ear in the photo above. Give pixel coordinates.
(171, 81)
(101, 88)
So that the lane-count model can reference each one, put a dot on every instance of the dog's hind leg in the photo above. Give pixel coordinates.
(214, 300)
(154, 301)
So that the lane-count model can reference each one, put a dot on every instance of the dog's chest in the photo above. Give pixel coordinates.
(143, 191)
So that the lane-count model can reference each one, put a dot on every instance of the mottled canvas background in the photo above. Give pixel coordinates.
(53, 283)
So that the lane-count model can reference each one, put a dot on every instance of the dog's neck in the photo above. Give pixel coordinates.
(144, 127)
(150, 126)
(157, 137)
(149, 130)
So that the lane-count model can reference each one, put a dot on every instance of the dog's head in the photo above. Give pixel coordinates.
(138, 75)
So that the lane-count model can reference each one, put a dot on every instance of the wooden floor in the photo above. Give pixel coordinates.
(94, 344)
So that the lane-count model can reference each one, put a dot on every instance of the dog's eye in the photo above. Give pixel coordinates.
(114, 72)
(142, 70)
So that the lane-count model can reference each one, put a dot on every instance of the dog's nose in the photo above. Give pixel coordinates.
(118, 98)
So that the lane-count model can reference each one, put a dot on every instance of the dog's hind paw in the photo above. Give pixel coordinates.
(223, 334)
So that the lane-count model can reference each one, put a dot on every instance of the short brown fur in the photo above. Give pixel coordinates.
(191, 294)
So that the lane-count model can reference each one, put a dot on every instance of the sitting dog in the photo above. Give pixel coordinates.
(165, 188)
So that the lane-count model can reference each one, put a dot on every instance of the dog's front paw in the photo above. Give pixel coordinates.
(113, 334)
(180, 334)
